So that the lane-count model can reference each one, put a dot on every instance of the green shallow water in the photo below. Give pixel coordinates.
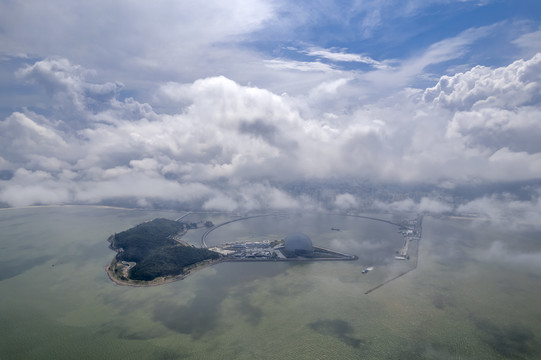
(474, 295)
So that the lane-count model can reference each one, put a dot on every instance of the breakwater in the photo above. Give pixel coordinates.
(418, 230)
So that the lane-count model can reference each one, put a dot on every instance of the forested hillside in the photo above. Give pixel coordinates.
(152, 247)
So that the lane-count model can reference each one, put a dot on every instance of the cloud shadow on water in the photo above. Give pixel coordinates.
(513, 341)
(340, 329)
(11, 268)
(196, 318)
(202, 314)
(251, 313)
(128, 332)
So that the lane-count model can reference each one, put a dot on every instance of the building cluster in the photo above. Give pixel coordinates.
(247, 250)
(293, 245)
(411, 230)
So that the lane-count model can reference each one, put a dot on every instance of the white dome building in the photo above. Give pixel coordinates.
(298, 243)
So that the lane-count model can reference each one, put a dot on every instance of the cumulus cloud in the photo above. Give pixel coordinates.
(127, 150)
(229, 146)
(28, 187)
(209, 106)
(59, 76)
(346, 202)
(506, 208)
(495, 112)
(425, 205)
(518, 84)
(498, 252)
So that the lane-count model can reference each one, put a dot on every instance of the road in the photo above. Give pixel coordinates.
(204, 236)
(183, 216)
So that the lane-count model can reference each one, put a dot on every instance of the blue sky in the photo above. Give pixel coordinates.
(190, 102)
(98, 35)
(398, 30)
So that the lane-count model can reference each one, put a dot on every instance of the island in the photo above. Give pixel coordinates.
(153, 252)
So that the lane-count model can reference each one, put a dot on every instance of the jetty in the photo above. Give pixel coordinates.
(412, 230)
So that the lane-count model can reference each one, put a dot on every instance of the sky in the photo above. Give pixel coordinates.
(239, 106)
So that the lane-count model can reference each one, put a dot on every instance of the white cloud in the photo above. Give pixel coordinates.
(214, 114)
(221, 203)
(426, 204)
(530, 43)
(507, 87)
(233, 147)
(507, 208)
(146, 33)
(342, 56)
(138, 44)
(495, 113)
(23, 138)
(346, 202)
(501, 253)
(34, 187)
(307, 66)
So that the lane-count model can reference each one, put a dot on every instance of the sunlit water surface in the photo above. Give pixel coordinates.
(474, 295)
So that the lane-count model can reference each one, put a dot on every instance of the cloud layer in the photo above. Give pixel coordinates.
(236, 147)
(270, 105)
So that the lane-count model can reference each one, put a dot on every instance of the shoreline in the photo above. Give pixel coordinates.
(161, 280)
(68, 205)
(207, 263)
(119, 273)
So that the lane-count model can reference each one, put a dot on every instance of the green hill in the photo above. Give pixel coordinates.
(152, 247)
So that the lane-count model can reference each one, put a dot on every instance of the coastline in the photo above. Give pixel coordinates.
(207, 263)
(68, 206)
(161, 280)
(119, 272)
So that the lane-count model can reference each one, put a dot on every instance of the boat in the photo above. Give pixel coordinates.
(366, 270)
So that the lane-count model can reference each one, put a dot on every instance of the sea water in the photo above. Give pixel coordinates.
(475, 293)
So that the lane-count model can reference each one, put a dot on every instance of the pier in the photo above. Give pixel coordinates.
(412, 233)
